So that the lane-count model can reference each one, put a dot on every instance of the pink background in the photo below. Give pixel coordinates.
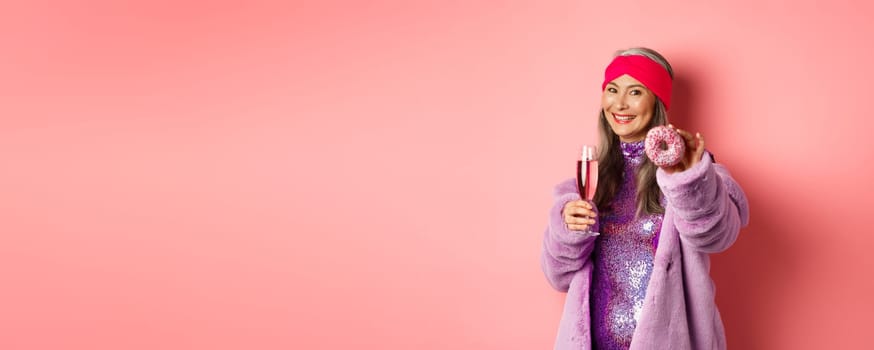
(328, 175)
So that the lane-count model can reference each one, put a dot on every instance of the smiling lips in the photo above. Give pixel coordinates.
(623, 118)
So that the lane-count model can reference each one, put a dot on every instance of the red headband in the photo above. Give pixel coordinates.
(652, 74)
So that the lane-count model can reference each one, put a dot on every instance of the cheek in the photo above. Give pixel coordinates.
(606, 101)
(644, 105)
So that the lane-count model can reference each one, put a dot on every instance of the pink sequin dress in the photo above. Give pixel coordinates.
(623, 260)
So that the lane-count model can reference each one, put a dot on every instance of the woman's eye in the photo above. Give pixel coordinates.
(612, 90)
(635, 92)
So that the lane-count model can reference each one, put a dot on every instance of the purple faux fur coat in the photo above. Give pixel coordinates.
(705, 211)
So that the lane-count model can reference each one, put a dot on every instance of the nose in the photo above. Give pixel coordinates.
(621, 102)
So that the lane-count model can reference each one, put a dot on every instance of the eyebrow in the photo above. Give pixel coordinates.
(629, 86)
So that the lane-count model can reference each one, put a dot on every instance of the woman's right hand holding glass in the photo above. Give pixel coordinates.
(579, 215)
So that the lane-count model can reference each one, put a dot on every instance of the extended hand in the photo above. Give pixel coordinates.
(694, 151)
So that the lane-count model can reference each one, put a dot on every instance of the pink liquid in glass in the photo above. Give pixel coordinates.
(591, 183)
(587, 173)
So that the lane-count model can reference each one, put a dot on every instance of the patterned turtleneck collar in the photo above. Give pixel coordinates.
(632, 150)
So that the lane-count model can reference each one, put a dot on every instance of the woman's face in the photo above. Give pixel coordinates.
(628, 107)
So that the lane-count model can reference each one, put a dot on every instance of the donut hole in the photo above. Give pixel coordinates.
(662, 145)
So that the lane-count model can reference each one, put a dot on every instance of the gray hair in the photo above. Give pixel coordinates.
(651, 54)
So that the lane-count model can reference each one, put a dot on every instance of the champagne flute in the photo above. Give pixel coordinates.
(587, 173)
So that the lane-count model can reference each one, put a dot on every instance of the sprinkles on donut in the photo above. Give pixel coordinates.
(664, 146)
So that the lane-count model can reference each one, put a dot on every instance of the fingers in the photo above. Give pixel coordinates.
(578, 215)
(579, 208)
(694, 143)
(579, 204)
(694, 150)
(579, 220)
(687, 136)
(699, 151)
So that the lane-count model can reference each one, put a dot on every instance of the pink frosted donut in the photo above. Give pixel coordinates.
(664, 146)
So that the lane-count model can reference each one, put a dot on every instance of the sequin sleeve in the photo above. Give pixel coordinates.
(710, 206)
(564, 251)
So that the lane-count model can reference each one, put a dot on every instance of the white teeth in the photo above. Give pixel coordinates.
(623, 118)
